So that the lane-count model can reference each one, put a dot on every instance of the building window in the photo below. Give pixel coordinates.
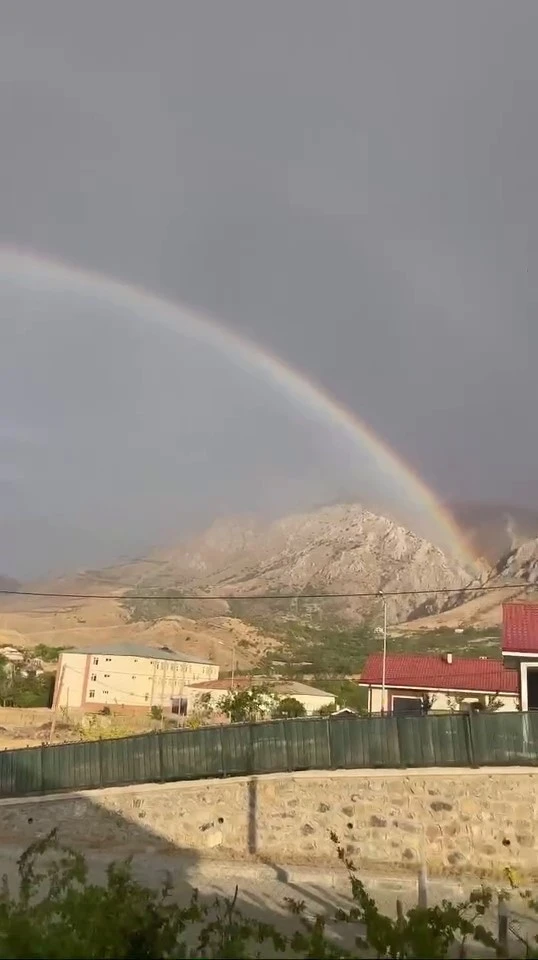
(106, 675)
(105, 691)
(95, 661)
(146, 696)
(91, 694)
(133, 677)
(93, 676)
(108, 659)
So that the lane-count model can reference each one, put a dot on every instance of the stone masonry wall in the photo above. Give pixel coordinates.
(458, 822)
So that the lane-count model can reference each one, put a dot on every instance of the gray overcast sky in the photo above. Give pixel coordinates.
(353, 184)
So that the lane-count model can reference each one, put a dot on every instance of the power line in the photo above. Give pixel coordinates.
(269, 596)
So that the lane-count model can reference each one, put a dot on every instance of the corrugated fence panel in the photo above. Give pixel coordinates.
(272, 746)
(434, 741)
(365, 742)
(269, 746)
(236, 749)
(71, 766)
(504, 738)
(309, 746)
(188, 754)
(26, 767)
(130, 760)
(7, 773)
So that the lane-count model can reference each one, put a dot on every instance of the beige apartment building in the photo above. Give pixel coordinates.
(129, 676)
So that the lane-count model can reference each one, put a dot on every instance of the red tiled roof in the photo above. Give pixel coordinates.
(434, 673)
(520, 627)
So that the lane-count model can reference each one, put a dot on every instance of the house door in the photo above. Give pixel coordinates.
(532, 688)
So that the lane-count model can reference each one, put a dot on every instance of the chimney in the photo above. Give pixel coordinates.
(448, 658)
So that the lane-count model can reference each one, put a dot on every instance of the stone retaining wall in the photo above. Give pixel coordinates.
(473, 822)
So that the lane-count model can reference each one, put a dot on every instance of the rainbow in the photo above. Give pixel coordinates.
(39, 274)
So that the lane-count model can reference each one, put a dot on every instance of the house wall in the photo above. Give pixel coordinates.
(311, 703)
(93, 681)
(442, 700)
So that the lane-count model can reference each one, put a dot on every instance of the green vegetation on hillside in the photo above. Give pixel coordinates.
(323, 652)
(140, 608)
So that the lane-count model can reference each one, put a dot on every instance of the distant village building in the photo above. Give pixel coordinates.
(127, 675)
(442, 683)
(520, 649)
(12, 654)
(311, 698)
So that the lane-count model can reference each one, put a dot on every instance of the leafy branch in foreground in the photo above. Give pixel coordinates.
(58, 913)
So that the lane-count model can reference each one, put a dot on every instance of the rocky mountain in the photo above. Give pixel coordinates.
(494, 530)
(515, 576)
(339, 549)
(521, 563)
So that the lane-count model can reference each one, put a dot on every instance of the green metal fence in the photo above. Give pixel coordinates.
(274, 746)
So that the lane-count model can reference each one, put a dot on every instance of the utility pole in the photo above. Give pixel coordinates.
(384, 659)
(232, 678)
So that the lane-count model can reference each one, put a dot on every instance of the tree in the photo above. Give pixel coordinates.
(201, 713)
(327, 709)
(48, 654)
(288, 708)
(427, 703)
(247, 705)
(17, 689)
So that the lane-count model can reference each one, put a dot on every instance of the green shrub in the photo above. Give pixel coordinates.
(58, 913)
(288, 708)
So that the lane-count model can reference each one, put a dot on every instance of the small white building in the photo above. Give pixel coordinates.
(128, 676)
(448, 683)
(311, 698)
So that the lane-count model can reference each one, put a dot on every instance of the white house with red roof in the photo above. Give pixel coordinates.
(403, 684)
(520, 649)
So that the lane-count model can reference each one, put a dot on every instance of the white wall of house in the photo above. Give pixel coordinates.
(524, 667)
(69, 690)
(443, 700)
(88, 680)
(311, 702)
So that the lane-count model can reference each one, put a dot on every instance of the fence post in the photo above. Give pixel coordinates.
(221, 744)
(329, 747)
(160, 749)
(502, 921)
(422, 889)
(250, 759)
(100, 755)
(469, 734)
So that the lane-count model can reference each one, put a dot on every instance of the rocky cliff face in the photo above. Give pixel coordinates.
(521, 563)
(340, 549)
